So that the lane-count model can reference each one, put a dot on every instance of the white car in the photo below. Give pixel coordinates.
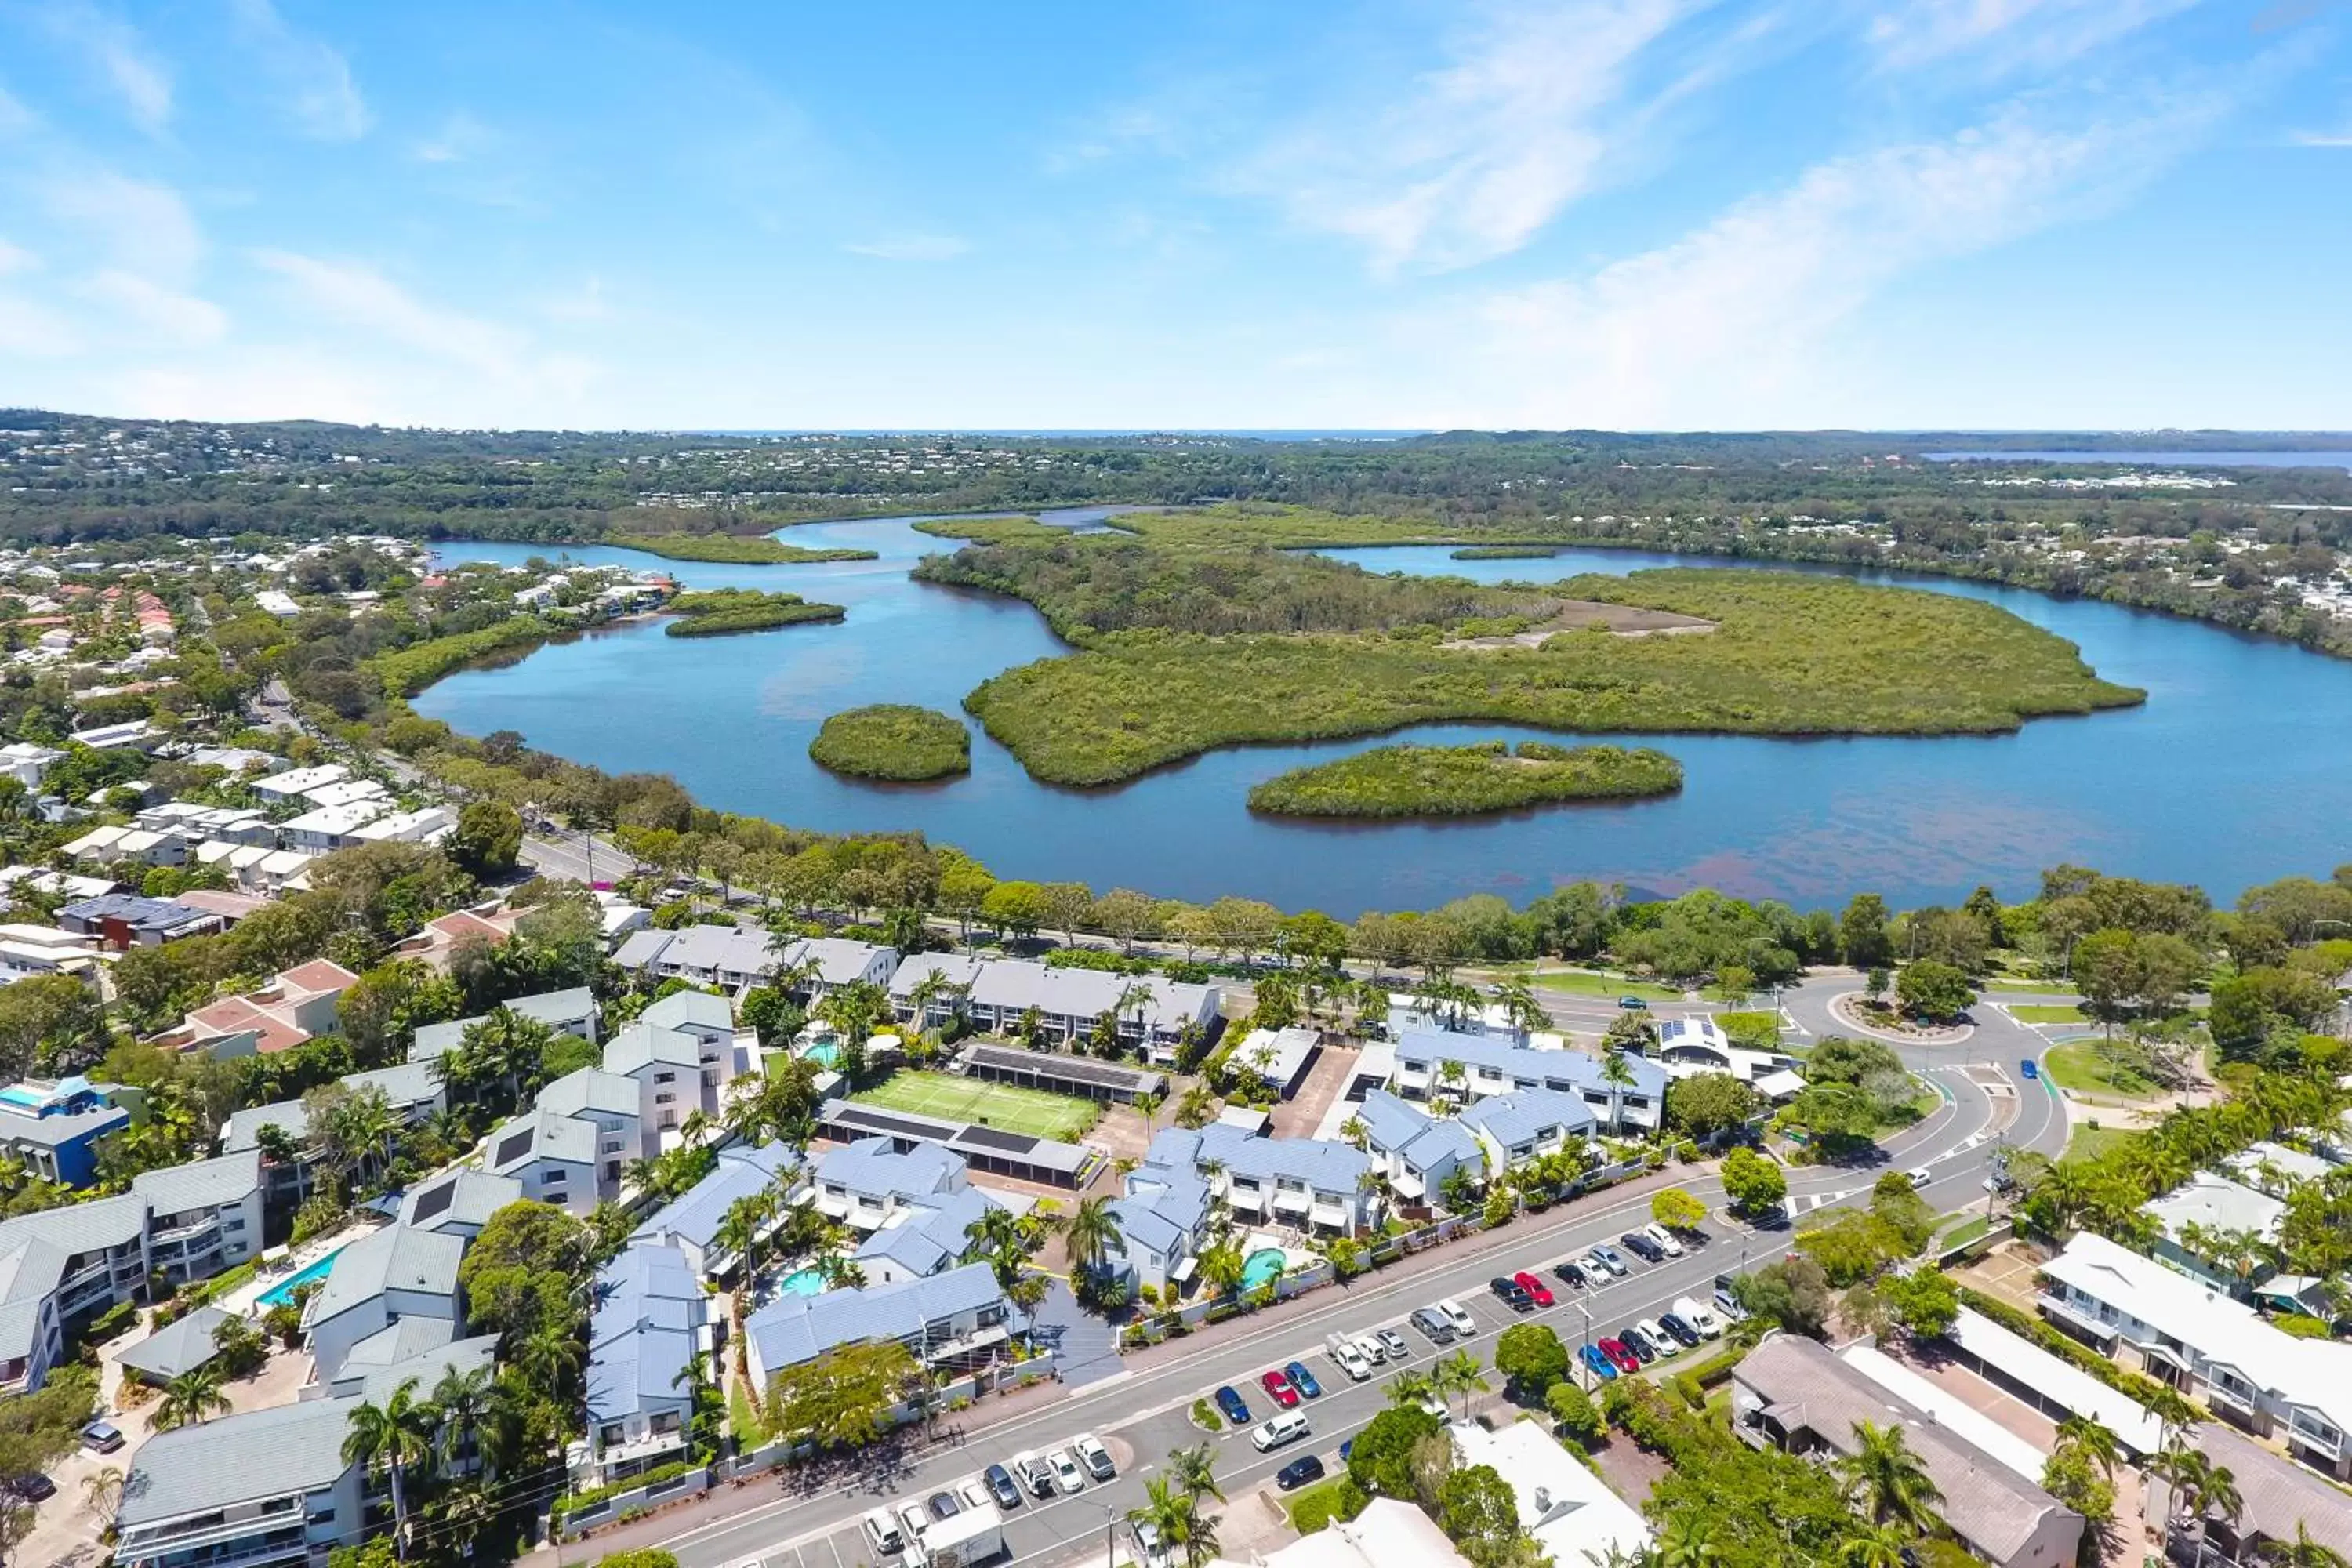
(1065, 1472)
(1918, 1176)
(1701, 1318)
(1350, 1360)
(1092, 1457)
(1656, 1334)
(1599, 1268)
(1150, 1551)
(1462, 1322)
(1664, 1238)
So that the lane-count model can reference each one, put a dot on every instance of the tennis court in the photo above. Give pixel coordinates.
(1029, 1111)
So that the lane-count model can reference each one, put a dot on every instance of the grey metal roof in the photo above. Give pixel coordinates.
(2276, 1494)
(405, 1338)
(927, 1237)
(641, 948)
(236, 1459)
(649, 1312)
(1326, 1167)
(591, 1091)
(1085, 1071)
(1017, 984)
(873, 1168)
(417, 1262)
(1391, 1122)
(544, 1135)
(425, 1369)
(1523, 1114)
(696, 1216)
(160, 915)
(82, 1227)
(1559, 1069)
(1162, 1216)
(956, 968)
(67, 1127)
(31, 1269)
(714, 949)
(242, 1131)
(177, 1347)
(641, 1045)
(473, 1197)
(795, 1329)
(557, 1009)
(697, 1010)
(201, 1184)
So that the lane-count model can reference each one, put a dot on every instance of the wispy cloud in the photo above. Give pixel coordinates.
(140, 226)
(175, 315)
(460, 137)
(912, 247)
(316, 78)
(2322, 138)
(1738, 316)
(2008, 35)
(1480, 154)
(137, 78)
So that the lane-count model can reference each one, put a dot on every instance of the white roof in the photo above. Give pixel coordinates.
(2029, 1365)
(2216, 1203)
(343, 792)
(1387, 1535)
(1570, 1510)
(335, 819)
(1948, 1408)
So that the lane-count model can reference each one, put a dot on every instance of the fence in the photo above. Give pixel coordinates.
(639, 1500)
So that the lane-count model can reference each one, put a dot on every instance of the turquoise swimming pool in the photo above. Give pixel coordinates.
(282, 1293)
(1261, 1267)
(824, 1055)
(802, 1282)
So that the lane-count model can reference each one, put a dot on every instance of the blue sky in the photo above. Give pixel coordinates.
(1634, 214)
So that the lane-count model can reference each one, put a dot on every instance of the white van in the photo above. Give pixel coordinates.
(1703, 1319)
(882, 1535)
(1288, 1427)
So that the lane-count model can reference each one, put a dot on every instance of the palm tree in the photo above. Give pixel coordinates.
(1881, 1546)
(1459, 1374)
(1222, 1267)
(1886, 1480)
(460, 1401)
(1091, 1234)
(1357, 1135)
(1195, 1471)
(552, 1358)
(193, 1397)
(2098, 1443)
(102, 1494)
(1411, 1390)
(2174, 1412)
(462, 1515)
(1687, 1543)
(1135, 997)
(996, 1236)
(2303, 1551)
(398, 1434)
(1520, 1006)
(1146, 1104)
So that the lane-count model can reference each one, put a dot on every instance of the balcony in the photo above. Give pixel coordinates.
(2082, 1320)
(223, 1543)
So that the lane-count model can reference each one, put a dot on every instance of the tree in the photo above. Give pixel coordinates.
(1381, 1461)
(1531, 1357)
(487, 840)
(1676, 1209)
(1573, 1411)
(396, 1434)
(1458, 1374)
(1793, 1293)
(1480, 1513)
(1707, 1103)
(521, 1272)
(194, 1397)
(1928, 989)
(1925, 1301)
(844, 1398)
(1753, 1182)
(1863, 941)
(1092, 1232)
(1886, 1480)
(1194, 1471)
(1015, 909)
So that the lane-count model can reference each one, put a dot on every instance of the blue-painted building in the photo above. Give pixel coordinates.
(53, 1130)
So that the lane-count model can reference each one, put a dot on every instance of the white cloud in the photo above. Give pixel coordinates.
(181, 318)
(354, 295)
(139, 225)
(2008, 35)
(15, 259)
(34, 332)
(321, 94)
(912, 247)
(585, 303)
(2322, 138)
(461, 137)
(1743, 315)
(1481, 154)
(137, 76)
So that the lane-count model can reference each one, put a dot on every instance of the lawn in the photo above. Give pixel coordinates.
(1582, 983)
(2078, 1067)
(2032, 987)
(2090, 1143)
(745, 1426)
(2045, 1013)
(1001, 1105)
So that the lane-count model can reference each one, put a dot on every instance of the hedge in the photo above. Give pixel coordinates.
(1692, 1382)
(1319, 1504)
(596, 1497)
(2138, 1385)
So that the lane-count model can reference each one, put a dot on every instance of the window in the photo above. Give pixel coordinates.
(658, 1099)
(665, 1077)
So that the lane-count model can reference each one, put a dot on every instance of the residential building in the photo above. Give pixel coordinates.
(27, 950)
(956, 1321)
(1083, 1078)
(1163, 1220)
(681, 1055)
(923, 1237)
(175, 1350)
(377, 1281)
(693, 1222)
(1157, 1014)
(1280, 1058)
(298, 1005)
(330, 827)
(865, 1183)
(1687, 1047)
(296, 784)
(1467, 1066)
(53, 1128)
(459, 1204)
(736, 958)
(201, 1217)
(555, 1158)
(114, 844)
(2195, 1337)
(56, 884)
(1387, 1535)
(943, 1002)
(413, 1090)
(482, 926)
(1794, 1393)
(429, 826)
(29, 764)
(124, 921)
(609, 1102)
(648, 1322)
(570, 1012)
(253, 867)
(1527, 1124)
(1569, 1509)
(2211, 1213)
(1418, 1153)
(1281, 1181)
(2278, 1502)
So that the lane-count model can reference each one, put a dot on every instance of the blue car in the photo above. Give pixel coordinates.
(1599, 1363)
(1304, 1381)
(1230, 1403)
(2029, 1069)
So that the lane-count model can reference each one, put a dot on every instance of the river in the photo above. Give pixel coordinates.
(2234, 771)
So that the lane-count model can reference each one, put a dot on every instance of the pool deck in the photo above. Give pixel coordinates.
(246, 1299)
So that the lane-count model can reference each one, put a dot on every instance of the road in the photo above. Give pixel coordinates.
(1142, 1414)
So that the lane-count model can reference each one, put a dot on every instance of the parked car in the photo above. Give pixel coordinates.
(1288, 1427)
(1597, 1361)
(1093, 1455)
(1511, 1294)
(1685, 1335)
(1666, 1239)
(34, 1487)
(1463, 1323)
(1726, 1305)
(1303, 1380)
(1299, 1472)
(1277, 1387)
(1034, 1473)
(1642, 1247)
(1572, 1273)
(1610, 1258)
(912, 1524)
(1432, 1326)
(1151, 1551)
(1621, 1356)
(1230, 1403)
(1633, 1004)
(2030, 1068)
(943, 1505)
(102, 1437)
(1700, 1317)
(1664, 1343)
(1001, 1487)
(1632, 1339)
(1065, 1473)
(1534, 1286)
(974, 1495)
(1393, 1345)
(1350, 1360)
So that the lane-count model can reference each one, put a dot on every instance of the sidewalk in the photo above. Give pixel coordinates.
(958, 1430)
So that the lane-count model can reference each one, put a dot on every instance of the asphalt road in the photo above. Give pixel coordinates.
(1143, 1414)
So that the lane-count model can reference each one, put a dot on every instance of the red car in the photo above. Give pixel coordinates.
(1533, 1286)
(1620, 1355)
(1278, 1385)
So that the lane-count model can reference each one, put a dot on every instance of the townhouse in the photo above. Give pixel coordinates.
(570, 1148)
(299, 1004)
(648, 1322)
(865, 1184)
(1163, 1219)
(460, 1202)
(1149, 1011)
(693, 1221)
(1432, 1063)
(412, 1090)
(381, 1279)
(951, 1321)
(1418, 1153)
(681, 1054)
(1282, 1181)
(1527, 1124)
(125, 921)
(2195, 1337)
(737, 958)
(569, 1012)
(52, 1128)
(2207, 1209)
(924, 1237)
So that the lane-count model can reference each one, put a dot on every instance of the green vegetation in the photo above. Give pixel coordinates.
(407, 671)
(2080, 1066)
(893, 741)
(1461, 781)
(1014, 1109)
(730, 549)
(1334, 1497)
(2088, 1143)
(1577, 982)
(720, 612)
(2030, 987)
(1506, 552)
(990, 529)
(2045, 1013)
(1790, 656)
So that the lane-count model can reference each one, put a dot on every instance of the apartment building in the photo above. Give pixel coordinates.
(1162, 1220)
(649, 1321)
(1280, 1181)
(1418, 1153)
(52, 1128)
(953, 1320)
(868, 1183)
(1432, 1063)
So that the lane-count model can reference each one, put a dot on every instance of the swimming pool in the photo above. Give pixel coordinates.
(1261, 1267)
(802, 1282)
(317, 1269)
(824, 1055)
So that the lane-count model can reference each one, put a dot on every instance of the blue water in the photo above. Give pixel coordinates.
(2165, 459)
(823, 1056)
(313, 1272)
(2233, 772)
(1261, 1266)
(802, 1282)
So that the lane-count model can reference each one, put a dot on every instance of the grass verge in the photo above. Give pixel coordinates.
(2045, 1013)
(2078, 1067)
(2086, 1143)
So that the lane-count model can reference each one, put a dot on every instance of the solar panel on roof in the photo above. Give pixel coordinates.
(1076, 1069)
(512, 1148)
(434, 1201)
(874, 1121)
(991, 1138)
